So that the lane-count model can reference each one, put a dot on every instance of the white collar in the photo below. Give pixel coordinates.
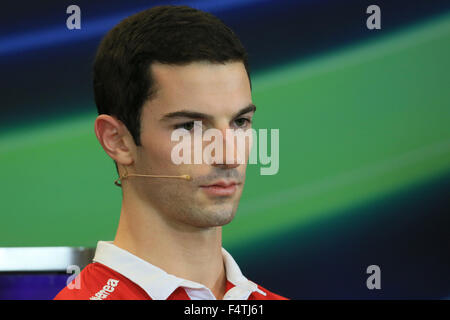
(159, 284)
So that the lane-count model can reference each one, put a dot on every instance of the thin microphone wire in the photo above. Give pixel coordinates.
(126, 175)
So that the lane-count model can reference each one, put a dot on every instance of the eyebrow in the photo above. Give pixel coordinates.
(198, 115)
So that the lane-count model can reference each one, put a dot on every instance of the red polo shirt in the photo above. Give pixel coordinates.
(116, 274)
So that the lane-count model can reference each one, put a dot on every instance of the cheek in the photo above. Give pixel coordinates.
(158, 149)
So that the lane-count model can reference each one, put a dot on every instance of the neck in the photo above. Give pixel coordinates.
(186, 252)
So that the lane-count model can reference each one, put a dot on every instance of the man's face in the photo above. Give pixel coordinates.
(219, 91)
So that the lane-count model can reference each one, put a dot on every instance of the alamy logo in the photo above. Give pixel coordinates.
(74, 20)
(106, 290)
(73, 282)
(374, 281)
(374, 20)
(192, 141)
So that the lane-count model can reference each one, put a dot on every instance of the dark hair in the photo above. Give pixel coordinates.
(168, 34)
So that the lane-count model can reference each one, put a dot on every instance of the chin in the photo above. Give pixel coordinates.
(216, 218)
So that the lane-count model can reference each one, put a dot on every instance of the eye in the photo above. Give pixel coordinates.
(187, 125)
(242, 122)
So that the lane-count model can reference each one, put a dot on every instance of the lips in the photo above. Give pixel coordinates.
(220, 188)
(222, 184)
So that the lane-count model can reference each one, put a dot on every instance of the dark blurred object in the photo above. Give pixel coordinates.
(39, 273)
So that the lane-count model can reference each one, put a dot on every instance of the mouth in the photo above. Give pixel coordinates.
(221, 188)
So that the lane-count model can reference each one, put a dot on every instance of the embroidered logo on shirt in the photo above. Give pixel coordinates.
(106, 291)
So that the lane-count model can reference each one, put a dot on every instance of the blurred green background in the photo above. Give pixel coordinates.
(354, 125)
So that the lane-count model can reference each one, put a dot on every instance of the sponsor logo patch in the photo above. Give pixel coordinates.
(106, 290)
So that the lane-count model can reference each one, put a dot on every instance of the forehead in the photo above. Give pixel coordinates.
(200, 86)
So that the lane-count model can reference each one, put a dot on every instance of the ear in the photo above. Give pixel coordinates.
(115, 139)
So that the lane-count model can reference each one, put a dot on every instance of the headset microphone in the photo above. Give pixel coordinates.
(126, 175)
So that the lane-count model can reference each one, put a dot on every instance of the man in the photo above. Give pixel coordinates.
(155, 72)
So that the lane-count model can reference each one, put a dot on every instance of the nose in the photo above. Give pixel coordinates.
(230, 146)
